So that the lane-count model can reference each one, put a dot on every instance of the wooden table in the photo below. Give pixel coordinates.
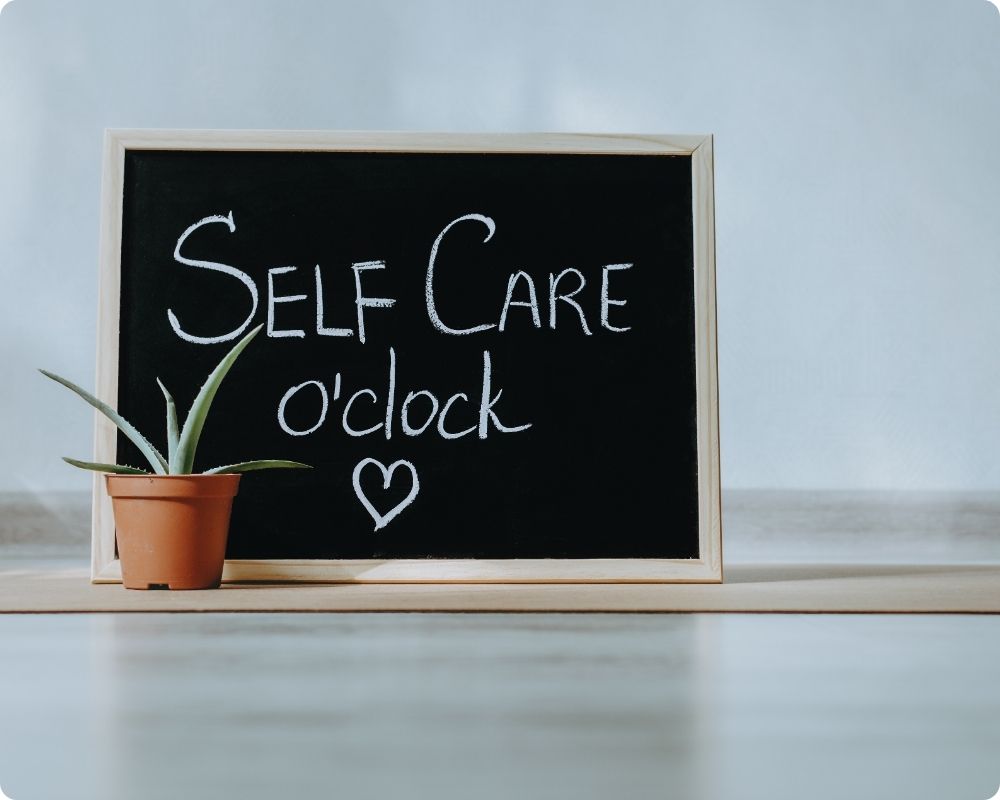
(545, 705)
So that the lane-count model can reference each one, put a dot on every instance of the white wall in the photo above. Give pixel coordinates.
(858, 187)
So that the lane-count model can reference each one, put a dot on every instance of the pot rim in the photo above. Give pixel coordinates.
(224, 484)
(153, 475)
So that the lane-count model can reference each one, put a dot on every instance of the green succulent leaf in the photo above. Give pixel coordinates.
(117, 469)
(195, 421)
(156, 460)
(251, 466)
(172, 434)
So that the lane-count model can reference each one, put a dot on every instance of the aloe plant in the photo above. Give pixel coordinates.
(182, 443)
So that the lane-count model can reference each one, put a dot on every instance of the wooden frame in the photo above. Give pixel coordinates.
(105, 567)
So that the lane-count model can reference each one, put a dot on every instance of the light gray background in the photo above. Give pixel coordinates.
(857, 188)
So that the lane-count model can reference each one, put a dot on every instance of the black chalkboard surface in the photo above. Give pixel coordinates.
(490, 355)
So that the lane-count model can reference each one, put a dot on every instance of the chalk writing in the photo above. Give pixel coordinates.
(381, 520)
(370, 410)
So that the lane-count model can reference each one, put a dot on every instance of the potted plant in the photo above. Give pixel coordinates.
(171, 524)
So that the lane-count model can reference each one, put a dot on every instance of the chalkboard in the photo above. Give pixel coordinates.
(498, 353)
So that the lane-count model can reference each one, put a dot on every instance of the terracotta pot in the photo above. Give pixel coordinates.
(172, 529)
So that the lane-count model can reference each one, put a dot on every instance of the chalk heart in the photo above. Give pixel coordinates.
(381, 520)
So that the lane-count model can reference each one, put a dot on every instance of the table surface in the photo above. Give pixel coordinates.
(255, 705)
